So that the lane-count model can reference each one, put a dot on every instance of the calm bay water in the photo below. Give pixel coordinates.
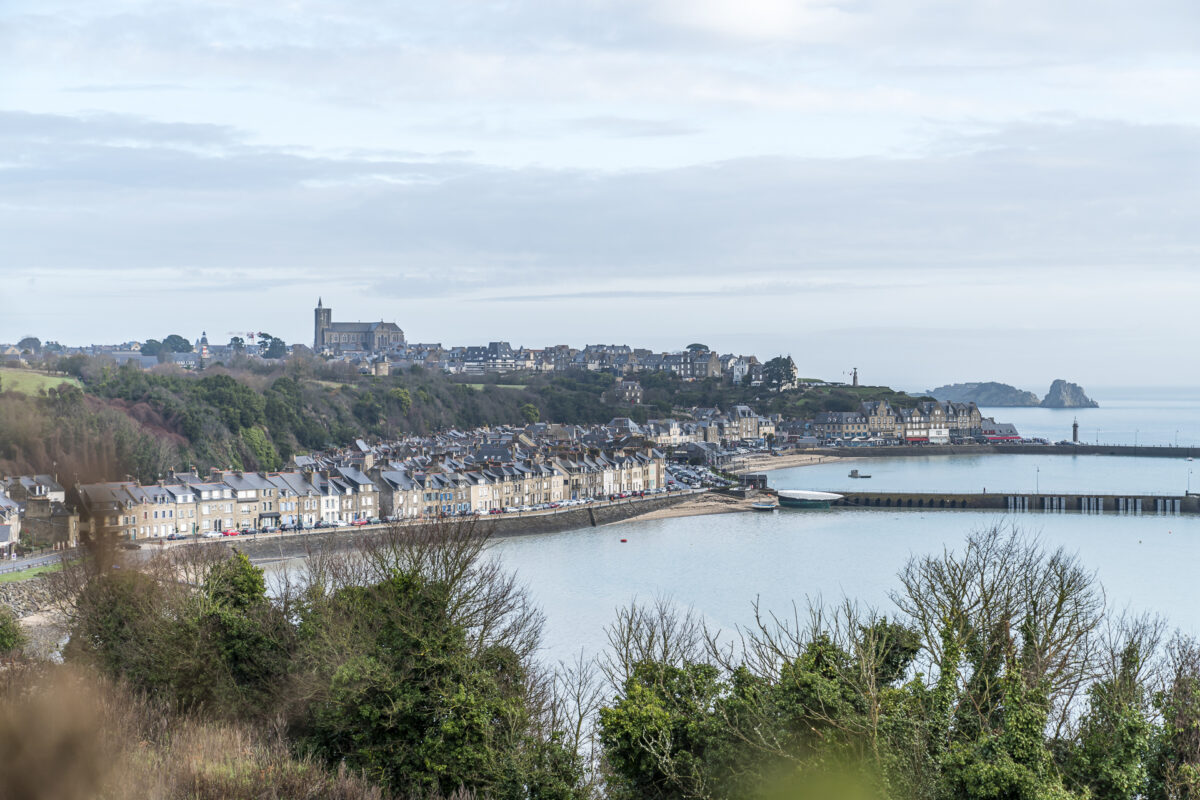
(719, 564)
(999, 473)
(1166, 416)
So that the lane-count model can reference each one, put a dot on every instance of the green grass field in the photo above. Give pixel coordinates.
(32, 572)
(27, 381)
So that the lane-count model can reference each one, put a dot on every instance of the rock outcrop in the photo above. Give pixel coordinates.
(27, 597)
(985, 394)
(1064, 394)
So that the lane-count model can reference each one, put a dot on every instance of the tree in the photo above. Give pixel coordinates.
(659, 736)
(31, 345)
(401, 398)
(780, 373)
(12, 638)
(696, 347)
(1114, 735)
(530, 412)
(1175, 761)
(237, 344)
(152, 347)
(419, 663)
(271, 347)
(176, 344)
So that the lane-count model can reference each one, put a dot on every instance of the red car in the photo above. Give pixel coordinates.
(229, 533)
(360, 522)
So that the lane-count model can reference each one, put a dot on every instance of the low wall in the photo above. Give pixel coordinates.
(265, 547)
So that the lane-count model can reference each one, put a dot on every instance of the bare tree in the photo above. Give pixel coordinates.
(657, 632)
(1005, 585)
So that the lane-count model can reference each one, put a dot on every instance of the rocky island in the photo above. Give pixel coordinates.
(987, 393)
(1062, 394)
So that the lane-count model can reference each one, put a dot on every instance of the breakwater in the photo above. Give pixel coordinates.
(900, 451)
(1136, 504)
(266, 547)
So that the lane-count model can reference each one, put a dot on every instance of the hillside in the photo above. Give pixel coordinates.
(128, 422)
(28, 381)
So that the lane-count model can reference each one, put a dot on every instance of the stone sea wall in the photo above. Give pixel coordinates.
(269, 547)
(25, 597)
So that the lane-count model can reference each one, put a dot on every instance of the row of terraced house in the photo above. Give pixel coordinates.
(323, 492)
(877, 420)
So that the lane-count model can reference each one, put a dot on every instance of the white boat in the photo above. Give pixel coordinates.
(801, 498)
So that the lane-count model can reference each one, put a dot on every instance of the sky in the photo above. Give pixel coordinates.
(927, 190)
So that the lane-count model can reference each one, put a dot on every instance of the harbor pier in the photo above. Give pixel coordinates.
(1026, 502)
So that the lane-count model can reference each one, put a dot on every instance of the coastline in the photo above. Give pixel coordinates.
(697, 506)
(767, 463)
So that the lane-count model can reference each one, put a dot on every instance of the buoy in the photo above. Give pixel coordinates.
(624, 540)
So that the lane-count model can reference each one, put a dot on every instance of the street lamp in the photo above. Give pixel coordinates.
(1189, 484)
(1037, 480)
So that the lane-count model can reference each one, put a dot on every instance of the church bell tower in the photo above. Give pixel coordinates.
(322, 321)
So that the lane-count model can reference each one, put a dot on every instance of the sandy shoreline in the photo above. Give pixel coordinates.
(699, 505)
(766, 463)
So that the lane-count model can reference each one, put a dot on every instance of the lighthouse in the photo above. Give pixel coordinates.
(1075, 431)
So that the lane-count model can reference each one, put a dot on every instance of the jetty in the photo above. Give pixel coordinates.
(1026, 502)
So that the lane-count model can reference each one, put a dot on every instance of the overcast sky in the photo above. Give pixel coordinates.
(929, 190)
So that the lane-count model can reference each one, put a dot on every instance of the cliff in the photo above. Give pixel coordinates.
(1064, 394)
(985, 394)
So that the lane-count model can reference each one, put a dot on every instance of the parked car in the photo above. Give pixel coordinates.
(229, 532)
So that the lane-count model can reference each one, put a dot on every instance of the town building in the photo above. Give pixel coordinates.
(340, 337)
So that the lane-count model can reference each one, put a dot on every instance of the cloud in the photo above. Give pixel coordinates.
(99, 191)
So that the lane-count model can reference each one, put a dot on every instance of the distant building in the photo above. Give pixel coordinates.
(629, 392)
(367, 337)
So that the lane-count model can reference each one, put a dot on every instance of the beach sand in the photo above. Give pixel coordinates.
(701, 504)
(759, 462)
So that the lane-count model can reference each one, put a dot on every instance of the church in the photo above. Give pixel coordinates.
(363, 337)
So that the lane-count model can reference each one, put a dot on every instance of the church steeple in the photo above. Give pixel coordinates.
(318, 302)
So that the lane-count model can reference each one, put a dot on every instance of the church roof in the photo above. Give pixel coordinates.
(363, 327)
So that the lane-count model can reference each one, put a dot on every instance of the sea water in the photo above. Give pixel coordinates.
(720, 565)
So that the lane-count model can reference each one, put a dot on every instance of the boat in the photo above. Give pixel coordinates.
(764, 505)
(856, 474)
(800, 498)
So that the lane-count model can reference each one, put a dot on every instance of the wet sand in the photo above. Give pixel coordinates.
(701, 504)
(764, 463)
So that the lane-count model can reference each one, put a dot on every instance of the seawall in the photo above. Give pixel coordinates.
(265, 547)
